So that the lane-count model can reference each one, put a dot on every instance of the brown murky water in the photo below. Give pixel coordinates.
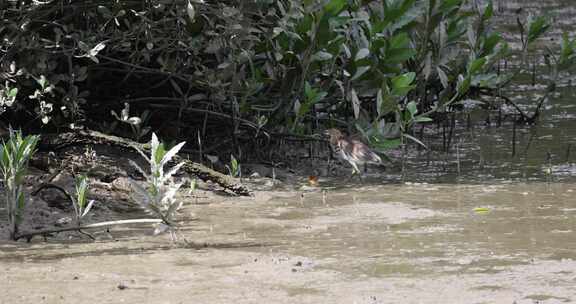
(403, 243)
(500, 231)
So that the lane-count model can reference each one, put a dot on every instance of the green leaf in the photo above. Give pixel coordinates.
(234, 165)
(400, 41)
(412, 107)
(401, 92)
(455, 30)
(422, 119)
(13, 92)
(303, 27)
(394, 56)
(308, 91)
(335, 46)
(394, 11)
(193, 184)
(414, 139)
(360, 71)
(362, 53)
(476, 65)
(537, 27)
(321, 56)
(312, 95)
(324, 32)
(489, 43)
(463, 84)
(488, 11)
(14, 157)
(448, 5)
(334, 7)
(567, 53)
(491, 80)
(81, 190)
(385, 144)
(443, 77)
(403, 80)
(387, 102)
(401, 84)
(166, 157)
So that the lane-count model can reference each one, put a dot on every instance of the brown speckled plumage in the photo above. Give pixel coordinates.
(351, 150)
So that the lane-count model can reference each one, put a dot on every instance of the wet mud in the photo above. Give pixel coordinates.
(403, 243)
(491, 220)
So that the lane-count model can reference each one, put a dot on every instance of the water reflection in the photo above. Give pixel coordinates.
(421, 229)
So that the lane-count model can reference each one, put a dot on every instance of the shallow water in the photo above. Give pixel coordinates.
(402, 243)
(478, 224)
(486, 147)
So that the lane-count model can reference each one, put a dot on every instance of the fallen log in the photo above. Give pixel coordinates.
(63, 140)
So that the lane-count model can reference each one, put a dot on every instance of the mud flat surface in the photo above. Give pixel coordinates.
(403, 243)
(492, 227)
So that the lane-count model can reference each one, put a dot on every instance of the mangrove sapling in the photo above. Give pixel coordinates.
(234, 168)
(134, 122)
(79, 203)
(158, 196)
(193, 185)
(14, 158)
(81, 208)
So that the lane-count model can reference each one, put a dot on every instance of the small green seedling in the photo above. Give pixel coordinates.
(14, 157)
(158, 196)
(234, 168)
(80, 204)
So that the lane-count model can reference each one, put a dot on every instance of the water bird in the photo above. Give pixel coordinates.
(352, 150)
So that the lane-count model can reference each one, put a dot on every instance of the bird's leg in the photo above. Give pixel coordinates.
(360, 177)
(351, 175)
(355, 171)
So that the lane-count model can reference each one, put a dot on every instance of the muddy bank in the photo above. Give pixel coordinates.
(404, 243)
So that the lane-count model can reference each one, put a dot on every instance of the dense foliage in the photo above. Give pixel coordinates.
(243, 69)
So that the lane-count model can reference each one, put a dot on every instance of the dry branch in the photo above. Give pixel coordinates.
(63, 140)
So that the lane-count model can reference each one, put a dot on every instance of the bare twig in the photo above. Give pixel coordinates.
(175, 99)
(52, 186)
(182, 77)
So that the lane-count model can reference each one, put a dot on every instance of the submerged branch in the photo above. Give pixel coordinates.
(507, 100)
